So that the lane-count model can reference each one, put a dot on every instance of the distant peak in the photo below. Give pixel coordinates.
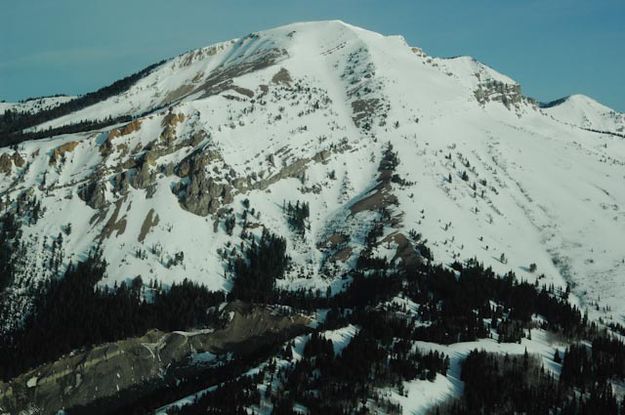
(578, 100)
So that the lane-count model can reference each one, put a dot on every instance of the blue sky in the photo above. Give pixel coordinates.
(553, 48)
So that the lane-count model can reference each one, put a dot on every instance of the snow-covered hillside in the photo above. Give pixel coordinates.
(303, 113)
(585, 112)
(35, 104)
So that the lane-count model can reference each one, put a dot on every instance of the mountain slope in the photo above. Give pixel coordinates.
(585, 112)
(303, 112)
(355, 147)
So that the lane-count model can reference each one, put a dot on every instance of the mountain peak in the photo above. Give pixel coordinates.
(586, 112)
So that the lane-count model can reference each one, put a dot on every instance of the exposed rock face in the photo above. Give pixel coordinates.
(204, 194)
(143, 176)
(108, 369)
(365, 110)
(169, 126)
(59, 152)
(94, 194)
(221, 79)
(121, 182)
(491, 90)
(201, 193)
(6, 163)
(17, 159)
(131, 127)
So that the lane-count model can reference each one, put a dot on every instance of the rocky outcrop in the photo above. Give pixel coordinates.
(495, 91)
(129, 128)
(201, 193)
(143, 176)
(94, 194)
(282, 77)
(107, 146)
(221, 78)
(7, 161)
(17, 159)
(59, 152)
(106, 370)
(169, 126)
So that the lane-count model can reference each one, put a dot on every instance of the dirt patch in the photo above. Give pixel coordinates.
(151, 220)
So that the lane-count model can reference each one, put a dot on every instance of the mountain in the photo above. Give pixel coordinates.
(585, 112)
(354, 147)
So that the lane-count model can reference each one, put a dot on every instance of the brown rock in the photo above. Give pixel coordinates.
(61, 150)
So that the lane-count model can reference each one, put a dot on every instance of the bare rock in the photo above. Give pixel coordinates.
(94, 194)
(60, 151)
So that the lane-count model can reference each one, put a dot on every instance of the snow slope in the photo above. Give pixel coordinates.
(303, 113)
(585, 112)
(35, 104)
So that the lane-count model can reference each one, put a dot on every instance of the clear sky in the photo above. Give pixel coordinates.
(553, 48)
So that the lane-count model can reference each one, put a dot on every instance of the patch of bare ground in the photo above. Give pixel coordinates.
(114, 225)
(405, 250)
(243, 91)
(282, 77)
(342, 255)
(380, 197)
(150, 221)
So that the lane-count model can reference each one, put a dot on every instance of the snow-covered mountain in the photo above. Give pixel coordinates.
(231, 132)
(349, 144)
(585, 112)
